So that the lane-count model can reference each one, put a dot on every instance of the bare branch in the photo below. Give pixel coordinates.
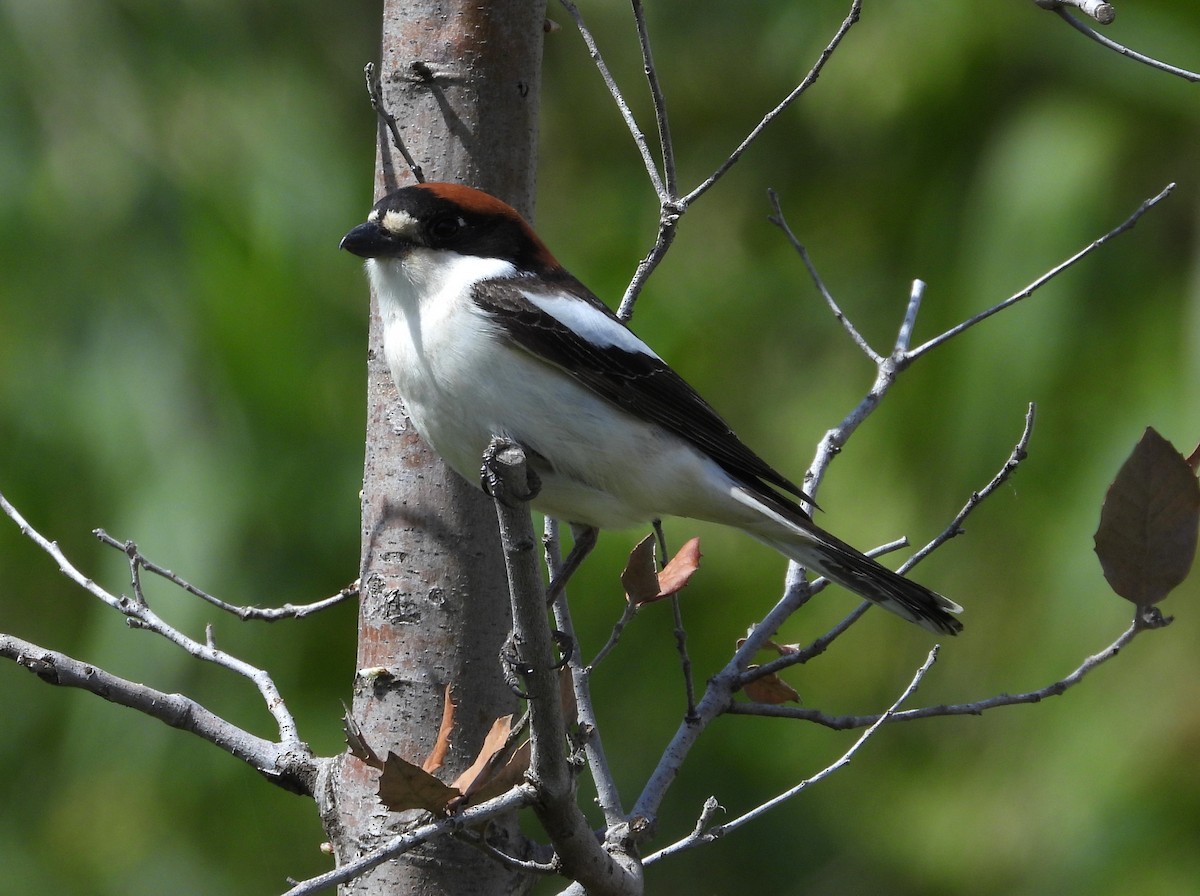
(520, 796)
(1099, 10)
(291, 767)
(821, 644)
(639, 138)
(245, 613)
(671, 205)
(388, 120)
(1153, 620)
(1019, 453)
(605, 870)
(1127, 224)
(667, 147)
(700, 836)
(630, 611)
(607, 795)
(779, 221)
(139, 615)
(668, 224)
(809, 79)
(1060, 7)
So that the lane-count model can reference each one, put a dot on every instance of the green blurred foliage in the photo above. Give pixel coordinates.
(181, 359)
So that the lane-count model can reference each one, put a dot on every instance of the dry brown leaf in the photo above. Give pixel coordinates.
(479, 771)
(358, 746)
(506, 777)
(640, 577)
(680, 570)
(403, 786)
(1149, 523)
(781, 649)
(644, 584)
(770, 689)
(566, 696)
(442, 745)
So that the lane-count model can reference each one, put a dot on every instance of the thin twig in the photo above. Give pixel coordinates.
(1127, 224)
(1099, 10)
(245, 613)
(630, 611)
(292, 768)
(531, 866)
(680, 632)
(139, 615)
(699, 836)
(671, 205)
(1126, 51)
(1018, 454)
(520, 796)
(375, 92)
(610, 82)
(1054, 689)
(607, 795)
(809, 79)
(668, 225)
(666, 146)
(955, 528)
(855, 336)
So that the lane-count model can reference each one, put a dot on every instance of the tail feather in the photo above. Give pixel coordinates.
(815, 549)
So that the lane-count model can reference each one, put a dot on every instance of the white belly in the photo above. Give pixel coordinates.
(446, 363)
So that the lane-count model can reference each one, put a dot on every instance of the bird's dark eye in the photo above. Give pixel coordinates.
(446, 227)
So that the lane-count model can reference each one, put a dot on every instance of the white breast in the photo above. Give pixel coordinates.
(463, 383)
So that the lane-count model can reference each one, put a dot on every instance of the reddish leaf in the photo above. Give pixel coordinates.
(771, 689)
(480, 771)
(442, 745)
(1149, 523)
(679, 571)
(640, 577)
(644, 584)
(506, 777)
(404, 786)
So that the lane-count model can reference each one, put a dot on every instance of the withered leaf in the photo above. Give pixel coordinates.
(1149, 522)
(640, 577)
(358, 746)
(781, 649)
(506, 777)
(770, 689)
(442, 745)
(566, 696)
(680, 570)
(481, 769)
(644, 584)
(403, 786)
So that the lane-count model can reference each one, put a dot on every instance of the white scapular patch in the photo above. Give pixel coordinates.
(596, 327)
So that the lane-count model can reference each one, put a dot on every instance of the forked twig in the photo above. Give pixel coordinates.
(702, 834)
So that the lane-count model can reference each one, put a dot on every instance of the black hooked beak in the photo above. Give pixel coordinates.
(369, 240)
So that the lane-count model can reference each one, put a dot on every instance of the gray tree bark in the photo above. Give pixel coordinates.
(462, 79)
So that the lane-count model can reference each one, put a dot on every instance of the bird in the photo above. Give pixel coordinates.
(486, 335)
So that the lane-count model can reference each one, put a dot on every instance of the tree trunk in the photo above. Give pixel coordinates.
(462, 79)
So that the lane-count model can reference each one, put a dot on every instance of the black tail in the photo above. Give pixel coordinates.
(817, 550)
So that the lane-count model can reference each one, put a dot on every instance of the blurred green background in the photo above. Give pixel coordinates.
(181, 363)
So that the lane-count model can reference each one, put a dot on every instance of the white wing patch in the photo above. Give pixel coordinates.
(594, 326)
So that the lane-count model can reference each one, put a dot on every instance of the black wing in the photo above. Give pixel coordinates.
(637, 382)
